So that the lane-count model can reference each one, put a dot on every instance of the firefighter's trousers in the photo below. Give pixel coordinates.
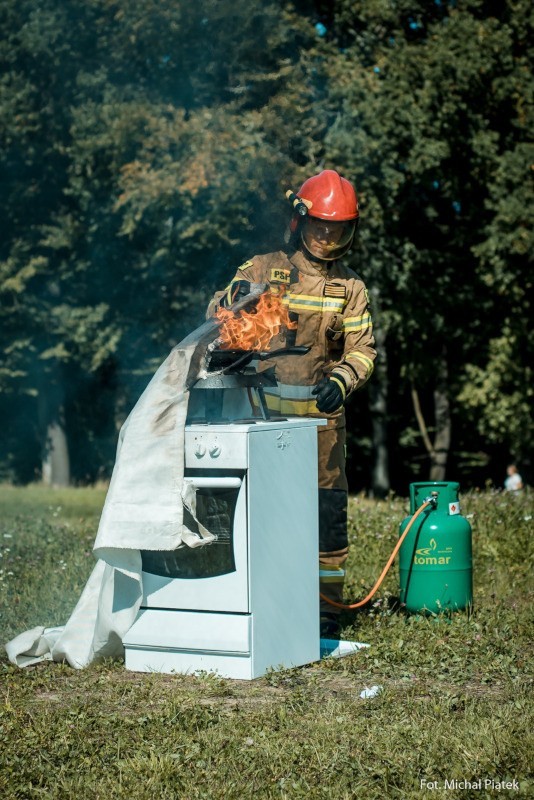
(333, 489)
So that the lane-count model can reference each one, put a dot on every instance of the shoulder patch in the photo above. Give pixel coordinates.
(246, 265)
(279, 276)
(335, 290)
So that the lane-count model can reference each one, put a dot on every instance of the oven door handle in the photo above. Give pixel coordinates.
(213, 483)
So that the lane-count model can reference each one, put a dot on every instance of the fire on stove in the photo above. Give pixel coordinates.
(254, 329)
(230, 362)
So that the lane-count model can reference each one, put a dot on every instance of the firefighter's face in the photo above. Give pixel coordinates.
(327, 240)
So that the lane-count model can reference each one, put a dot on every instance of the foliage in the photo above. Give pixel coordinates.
(456, 690)
(430, 109)
(500, 397)
(133, 161)
(144, 153)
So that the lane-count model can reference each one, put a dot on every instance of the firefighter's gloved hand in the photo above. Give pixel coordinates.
(329, 394)
(236, 291)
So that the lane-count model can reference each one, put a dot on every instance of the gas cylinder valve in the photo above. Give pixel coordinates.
(432, 499)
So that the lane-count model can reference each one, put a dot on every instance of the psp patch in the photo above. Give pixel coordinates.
(246, 265)
(279, 276)
(335, 290)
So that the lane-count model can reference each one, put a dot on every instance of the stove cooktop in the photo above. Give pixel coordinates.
(241, 421)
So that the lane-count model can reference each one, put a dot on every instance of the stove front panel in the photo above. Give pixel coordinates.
(215, 447)
(264, 614)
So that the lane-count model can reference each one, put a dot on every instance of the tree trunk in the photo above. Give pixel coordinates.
(378, 397)
(438, 450)
(55, 463)
(442, 415)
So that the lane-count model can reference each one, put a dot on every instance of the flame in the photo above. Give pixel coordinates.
(254, 329)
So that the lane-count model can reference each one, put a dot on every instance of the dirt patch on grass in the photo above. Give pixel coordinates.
(118, 692)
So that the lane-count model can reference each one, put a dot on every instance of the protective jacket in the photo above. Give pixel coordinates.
(333, 319)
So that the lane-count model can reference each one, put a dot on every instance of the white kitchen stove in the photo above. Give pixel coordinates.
(249, 602)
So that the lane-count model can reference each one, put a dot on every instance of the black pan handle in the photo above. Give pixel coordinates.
(296, 350)
(242, 361)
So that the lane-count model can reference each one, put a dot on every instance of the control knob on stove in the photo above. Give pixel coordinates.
(215, 451)
(200, 450)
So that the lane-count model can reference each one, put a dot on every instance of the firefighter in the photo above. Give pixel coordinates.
(329, 303)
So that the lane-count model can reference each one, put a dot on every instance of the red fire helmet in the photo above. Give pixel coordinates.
(331, 196)
(327, 230)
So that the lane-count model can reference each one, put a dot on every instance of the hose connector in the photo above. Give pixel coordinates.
(432, 499)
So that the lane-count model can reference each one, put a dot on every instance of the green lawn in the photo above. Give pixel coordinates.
(456, 701)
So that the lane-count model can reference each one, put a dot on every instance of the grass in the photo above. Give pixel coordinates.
(456, 700)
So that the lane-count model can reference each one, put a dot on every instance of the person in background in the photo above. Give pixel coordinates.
(330, 305)
(513, 481)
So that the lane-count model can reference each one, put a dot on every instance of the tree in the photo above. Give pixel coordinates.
(139, 167)
(429, 109)
(133, 162)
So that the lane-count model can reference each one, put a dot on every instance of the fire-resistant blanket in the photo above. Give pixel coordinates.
(143, 511)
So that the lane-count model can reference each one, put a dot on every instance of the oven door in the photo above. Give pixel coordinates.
(212, 577)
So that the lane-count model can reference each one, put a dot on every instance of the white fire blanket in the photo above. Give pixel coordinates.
(143, 510)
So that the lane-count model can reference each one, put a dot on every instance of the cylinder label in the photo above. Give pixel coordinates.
(454, 508)
(431, 555)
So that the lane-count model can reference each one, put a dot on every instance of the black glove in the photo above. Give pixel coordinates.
(236, 291)
(329, 395)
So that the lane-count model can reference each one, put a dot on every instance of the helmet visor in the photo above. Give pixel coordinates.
(325, 239)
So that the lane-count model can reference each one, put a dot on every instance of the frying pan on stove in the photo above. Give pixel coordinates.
(233, 360)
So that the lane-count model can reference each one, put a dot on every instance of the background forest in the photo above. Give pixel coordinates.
(144, 152)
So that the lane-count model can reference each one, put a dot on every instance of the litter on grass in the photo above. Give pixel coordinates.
(372, 691)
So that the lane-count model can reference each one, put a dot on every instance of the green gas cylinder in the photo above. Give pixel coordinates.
(435, 559)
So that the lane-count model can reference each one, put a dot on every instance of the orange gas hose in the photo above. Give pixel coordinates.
(386, 568)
